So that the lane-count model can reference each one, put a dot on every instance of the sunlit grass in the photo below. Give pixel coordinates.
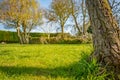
(47, 62)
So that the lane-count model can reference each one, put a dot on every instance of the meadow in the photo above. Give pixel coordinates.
(48, 62)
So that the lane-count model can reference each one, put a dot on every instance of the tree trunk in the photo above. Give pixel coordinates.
(84, 11)
(62, 35)
(19, 34)
(25, 35)
(84, 30)
(105, 29)
(27, 39)
(76, 24)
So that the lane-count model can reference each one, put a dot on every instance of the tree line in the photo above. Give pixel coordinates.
(25, 15)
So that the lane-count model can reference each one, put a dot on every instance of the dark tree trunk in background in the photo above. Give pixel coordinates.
(106, 33)
(62, 32)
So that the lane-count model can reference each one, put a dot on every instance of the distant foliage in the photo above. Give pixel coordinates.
(46, 35)
(59, 40)
(9, 37)
(42, 38)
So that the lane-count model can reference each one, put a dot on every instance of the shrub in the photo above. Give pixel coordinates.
(42, 38)
(9, 37)
(59, 40)
(38, 40)
(88, 70)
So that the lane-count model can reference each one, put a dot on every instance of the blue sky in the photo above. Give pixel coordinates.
(45, 3)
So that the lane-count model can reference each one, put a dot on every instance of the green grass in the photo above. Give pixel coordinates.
(47, 62)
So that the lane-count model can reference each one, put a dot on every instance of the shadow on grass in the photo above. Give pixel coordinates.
(76, 70)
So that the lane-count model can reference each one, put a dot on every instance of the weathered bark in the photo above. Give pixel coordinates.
(106, 33)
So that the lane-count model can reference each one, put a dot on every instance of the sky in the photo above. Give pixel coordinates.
(45, 3)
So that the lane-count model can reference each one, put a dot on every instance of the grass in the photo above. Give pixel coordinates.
(48, 62)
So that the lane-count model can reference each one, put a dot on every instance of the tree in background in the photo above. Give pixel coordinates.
(60, 12)
(106, 34)
(84, 15)
(23, 15)
(79, 16)
(75, 11)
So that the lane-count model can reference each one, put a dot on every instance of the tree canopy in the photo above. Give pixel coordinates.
(22, 15)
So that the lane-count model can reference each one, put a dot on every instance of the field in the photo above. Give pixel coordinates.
(47, 62)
